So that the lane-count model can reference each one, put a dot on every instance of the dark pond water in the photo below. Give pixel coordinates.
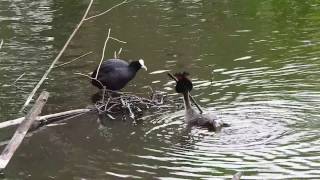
(256, 63)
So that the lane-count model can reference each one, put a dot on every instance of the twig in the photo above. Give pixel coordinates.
(104, 89)
(123, 2)
(1, 43)
(106, 105)
(14, 83)
(122, 102)
(115, 55)
(130, 111)
(49, 119)
(110, 116)
(118, 40)
(195, 103)
(22, 130)
(18, 78)
(48, 123)
(57, 58)
(131, 102)
(89, 78)
(103, 52)
(44, 118)
(172, 76)
(112, 107)
(73, 60)
(119, 52)
(99, 108)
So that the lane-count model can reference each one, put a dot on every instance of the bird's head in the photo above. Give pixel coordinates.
(141, 62)
(184, 84)
(138, 64)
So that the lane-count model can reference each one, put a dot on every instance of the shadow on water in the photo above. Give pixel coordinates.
(255, 63)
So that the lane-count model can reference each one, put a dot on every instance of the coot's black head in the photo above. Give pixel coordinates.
(184, 84)
(136, 65)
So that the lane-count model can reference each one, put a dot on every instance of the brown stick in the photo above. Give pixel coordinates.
(22, 130)
(56, 59)
(45, 118)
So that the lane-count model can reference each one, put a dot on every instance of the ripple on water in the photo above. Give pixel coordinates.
(267, 88)
(260, 140)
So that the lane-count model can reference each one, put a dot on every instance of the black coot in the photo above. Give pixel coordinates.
(116, 73)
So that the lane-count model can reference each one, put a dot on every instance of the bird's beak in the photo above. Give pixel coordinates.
(141, 61)
(144, 67)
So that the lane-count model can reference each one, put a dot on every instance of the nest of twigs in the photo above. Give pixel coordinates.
(120, 103)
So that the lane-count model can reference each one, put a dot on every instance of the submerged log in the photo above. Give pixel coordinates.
(22, 130)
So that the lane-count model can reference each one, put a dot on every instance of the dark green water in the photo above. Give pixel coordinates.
(256, 63)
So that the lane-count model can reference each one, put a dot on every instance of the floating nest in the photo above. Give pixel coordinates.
(126, 103)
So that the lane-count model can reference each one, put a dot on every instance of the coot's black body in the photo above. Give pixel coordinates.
(116, 73)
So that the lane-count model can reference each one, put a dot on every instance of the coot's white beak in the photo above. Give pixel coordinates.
(144, 67)
(141, 61)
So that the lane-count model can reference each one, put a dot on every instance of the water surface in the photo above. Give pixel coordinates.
(255, 63)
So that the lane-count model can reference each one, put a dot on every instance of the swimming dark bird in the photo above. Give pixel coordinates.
(114, 74)
(192, 117)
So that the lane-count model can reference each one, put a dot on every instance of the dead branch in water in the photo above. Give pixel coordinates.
(105, 12)
(75, 59)
(18, 78)
(46, 118)
(48, 121)
(22, 130)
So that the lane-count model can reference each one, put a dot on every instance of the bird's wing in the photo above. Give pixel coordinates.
(112, 65)
(115, 63)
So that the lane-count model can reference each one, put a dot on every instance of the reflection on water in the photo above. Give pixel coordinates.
(22, 25)
(255, 63)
